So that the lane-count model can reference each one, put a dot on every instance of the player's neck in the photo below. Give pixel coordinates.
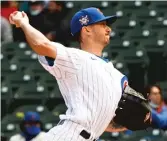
(92, 48)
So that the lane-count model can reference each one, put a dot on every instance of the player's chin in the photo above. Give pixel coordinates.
(107, 41)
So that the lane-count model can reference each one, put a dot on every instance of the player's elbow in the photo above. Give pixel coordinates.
(45, 48)
(39, 47)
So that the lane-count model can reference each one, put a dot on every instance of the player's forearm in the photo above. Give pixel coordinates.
(113, 127)
(35, 38)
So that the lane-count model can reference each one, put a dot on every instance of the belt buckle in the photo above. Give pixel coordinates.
(86, 135)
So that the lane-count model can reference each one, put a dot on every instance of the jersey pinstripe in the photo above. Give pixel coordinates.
(90, 87)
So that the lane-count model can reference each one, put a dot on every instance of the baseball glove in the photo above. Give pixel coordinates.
(133, 111)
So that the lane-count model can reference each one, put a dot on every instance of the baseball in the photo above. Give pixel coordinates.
(16, 15)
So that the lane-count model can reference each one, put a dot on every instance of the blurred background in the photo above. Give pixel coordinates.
(138, 48)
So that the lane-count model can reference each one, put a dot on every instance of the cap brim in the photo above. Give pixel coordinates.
(109, 19)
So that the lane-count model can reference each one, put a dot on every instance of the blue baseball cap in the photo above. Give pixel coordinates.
(31, 116)
(89, 16)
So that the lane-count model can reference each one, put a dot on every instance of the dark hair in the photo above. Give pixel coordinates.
(77, 37)
(155, 85)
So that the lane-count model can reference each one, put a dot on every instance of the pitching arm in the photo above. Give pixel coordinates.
(37, 41)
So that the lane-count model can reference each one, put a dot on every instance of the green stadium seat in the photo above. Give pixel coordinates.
(116, 44)
(31, 91)
(9, 118)
(15, 103)
(36, 69)
(157, 65)
(163, 85)
(131, 139)
(55, 93)
(6, 92)
(120, 64)
(59, 109)
(4, 107)
(138, 35)
(26, 93)
(49, 120)
(144, 14)
(136, 135)
(154, 25)
(106, 136)
(5, 65)
(162, 34)
(51, 85)
(107, 11)
(17, 79)
(52, 102)
(123, 24)
(11, 50)
(73, 7)
(136, 61)
(20, 111)
(154, 44)
(126, 5)
(14, 86)
(15, 46)
(22, 61)
(47, 79)
(135, 55)
(91, 4)
(159, 6)
(9, 130)
(74, 4)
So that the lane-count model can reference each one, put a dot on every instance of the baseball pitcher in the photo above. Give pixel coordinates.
(97, 95)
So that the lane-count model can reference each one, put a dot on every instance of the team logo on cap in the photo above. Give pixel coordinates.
(84, 20)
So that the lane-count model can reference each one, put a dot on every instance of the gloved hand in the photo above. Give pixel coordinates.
(133, 111)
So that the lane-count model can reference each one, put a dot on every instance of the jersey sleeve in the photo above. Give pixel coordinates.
(68, 60)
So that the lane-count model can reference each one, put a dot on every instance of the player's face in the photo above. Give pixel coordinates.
(155, 96)
(101, 33)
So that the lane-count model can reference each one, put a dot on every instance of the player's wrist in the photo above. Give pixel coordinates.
(22, 24)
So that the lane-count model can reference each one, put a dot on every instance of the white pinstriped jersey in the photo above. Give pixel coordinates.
(90, 87)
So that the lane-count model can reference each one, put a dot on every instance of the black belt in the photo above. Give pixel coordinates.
(86, 135)
(83, 133)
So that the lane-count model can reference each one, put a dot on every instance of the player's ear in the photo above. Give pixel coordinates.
(86, 29)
